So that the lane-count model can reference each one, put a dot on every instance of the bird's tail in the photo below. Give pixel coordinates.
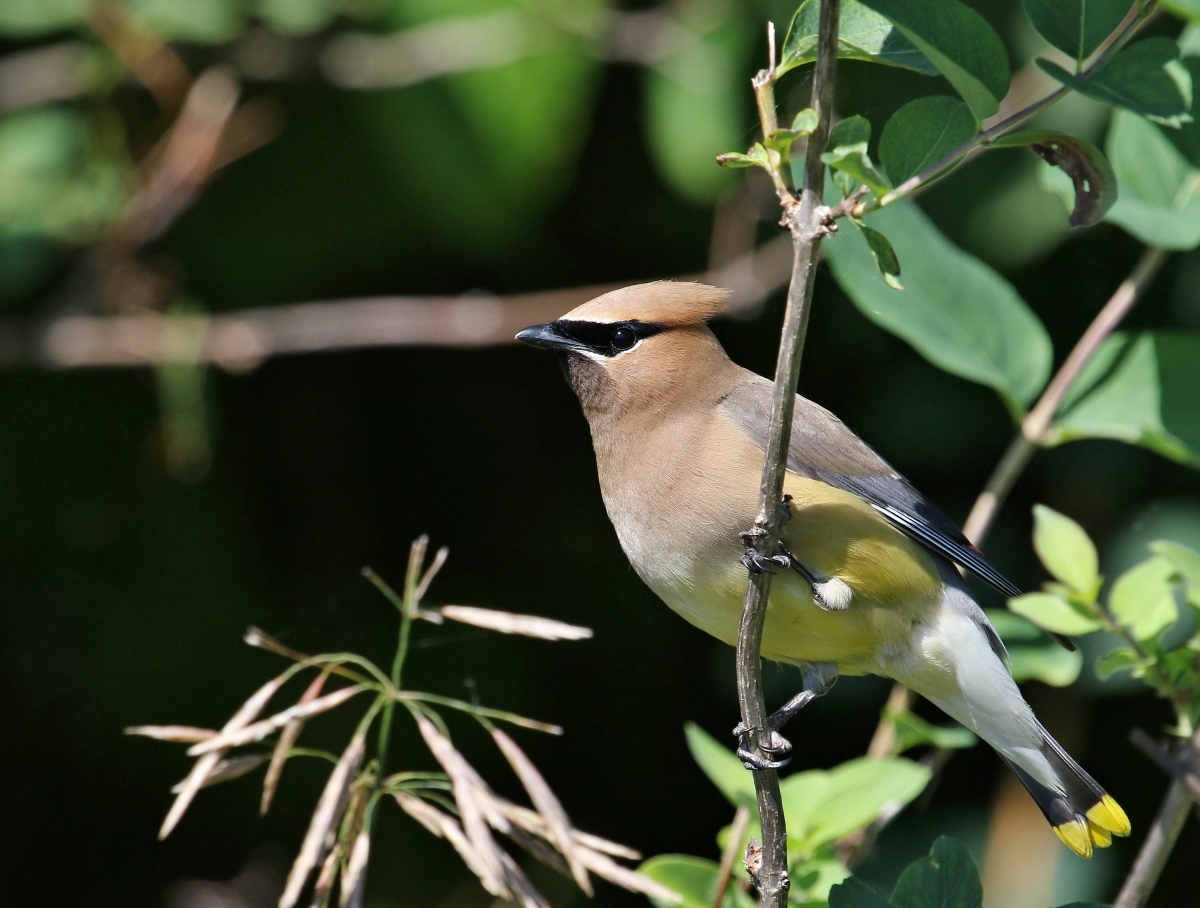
(1083, 814)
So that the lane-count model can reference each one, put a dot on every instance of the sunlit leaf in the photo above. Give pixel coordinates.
(1146, 78)
(959, 42)
(721, 766)
(1066, 550)
(948, 878)
(1184, 9)
(921, 133)
(1159, 202)
(1143, 598)
(296, 17)
(1118, 660)
(1144, 390)
(857, 791)
(208, 22)
(1186, 562)
(1049, 663)
(956, 311)
(693, 878)
(1076, 27)
(863, 34)
(913, 731)
(1055, 614)
(1092, 177)
(816, 877)
(757, 157)
(29, 18)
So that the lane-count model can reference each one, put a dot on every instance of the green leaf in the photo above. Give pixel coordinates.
(815, 878)
(1076, 27)
(695, 105)
(862, 35)
(883, 254)
(956, 311)
(1146, 78)
(1187, 563)
(854, 893)
(756, 158)
(802, 792)
(959, 42)
(30, 18)
(1086, 905)
(857, 791)
(1184, 9)
(1143, 598)
(1048, 663)
(1012, 628)
(295, 17)
(721, 766)
(1066, 550)
(921, 133)
(210, 22)
(948, 878)
(848, 153)
(1117, 660)
(803, 125)
(1159, 203)
(693, 878)
(1144, 390)
(913, 731)
(1091, 175)
(1054, 614)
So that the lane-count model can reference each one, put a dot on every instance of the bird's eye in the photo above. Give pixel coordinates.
(623, 338)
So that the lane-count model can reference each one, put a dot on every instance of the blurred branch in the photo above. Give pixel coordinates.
(241, 340)
(1161, 838)
(43, 75)
(147, 57)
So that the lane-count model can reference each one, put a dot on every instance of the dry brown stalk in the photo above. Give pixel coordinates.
(177, 734)
(259, 730)
(510, 623)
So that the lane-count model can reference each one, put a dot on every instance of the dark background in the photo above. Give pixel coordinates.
(125, 591)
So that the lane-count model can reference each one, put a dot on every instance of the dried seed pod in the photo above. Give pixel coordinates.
(510, 623)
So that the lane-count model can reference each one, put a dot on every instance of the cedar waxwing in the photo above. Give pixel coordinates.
(870, 584)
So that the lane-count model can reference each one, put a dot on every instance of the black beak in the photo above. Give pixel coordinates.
(546, 337)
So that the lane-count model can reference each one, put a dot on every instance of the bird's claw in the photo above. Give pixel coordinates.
(775, 744)
(756, 562)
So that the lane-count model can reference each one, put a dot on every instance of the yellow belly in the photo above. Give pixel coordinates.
(835, 534)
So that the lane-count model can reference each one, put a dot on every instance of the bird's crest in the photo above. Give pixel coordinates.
(672, 303)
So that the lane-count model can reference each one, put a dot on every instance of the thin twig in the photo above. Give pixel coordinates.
(1177, 769)
(807, 226)
(737, 832)
(1159, 842)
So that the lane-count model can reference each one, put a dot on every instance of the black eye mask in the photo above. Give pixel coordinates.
(606, 338)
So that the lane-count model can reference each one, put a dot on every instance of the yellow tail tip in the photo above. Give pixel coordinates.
(1108, 815)
(1101, 838)
(1076, 836)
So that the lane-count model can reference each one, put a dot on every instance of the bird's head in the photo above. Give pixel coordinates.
(634, 345)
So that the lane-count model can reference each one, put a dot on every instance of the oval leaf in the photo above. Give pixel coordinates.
(854, 893)
(959, 42)
(1143, 598)
(1050, 664)
(1146, 78)
(1144, 390)
(858, 790)
(1066, 550)
(1076, 27)
(721, 766)
(923, 132)
(1053, 614)
(863, 34)
(1159, 203)
(1091, 175)
(956, 311)
(695, 879)
(884, 255)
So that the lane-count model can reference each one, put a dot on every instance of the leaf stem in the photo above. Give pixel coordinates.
(806, 221)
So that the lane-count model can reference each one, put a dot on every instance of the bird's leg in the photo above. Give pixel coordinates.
(819, 677)
(757, 563)
(831, 594)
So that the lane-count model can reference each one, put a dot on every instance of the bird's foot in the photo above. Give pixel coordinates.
(753, 560)
(774, 744)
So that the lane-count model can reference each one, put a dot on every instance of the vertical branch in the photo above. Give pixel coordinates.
(806, 221)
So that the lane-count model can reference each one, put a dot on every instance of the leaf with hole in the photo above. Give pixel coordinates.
(956, 311)
(1142, 389)
(921, 133)
(863, 34)
(959, 42)
(1066, 550)
(1092, 177)
(1076, 27)
(1146, 78)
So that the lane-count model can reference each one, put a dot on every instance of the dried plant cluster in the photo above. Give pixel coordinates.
(455, 804)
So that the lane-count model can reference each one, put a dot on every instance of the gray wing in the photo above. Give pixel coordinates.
(822, 448)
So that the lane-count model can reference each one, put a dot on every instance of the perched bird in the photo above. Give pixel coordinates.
(867, 580)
